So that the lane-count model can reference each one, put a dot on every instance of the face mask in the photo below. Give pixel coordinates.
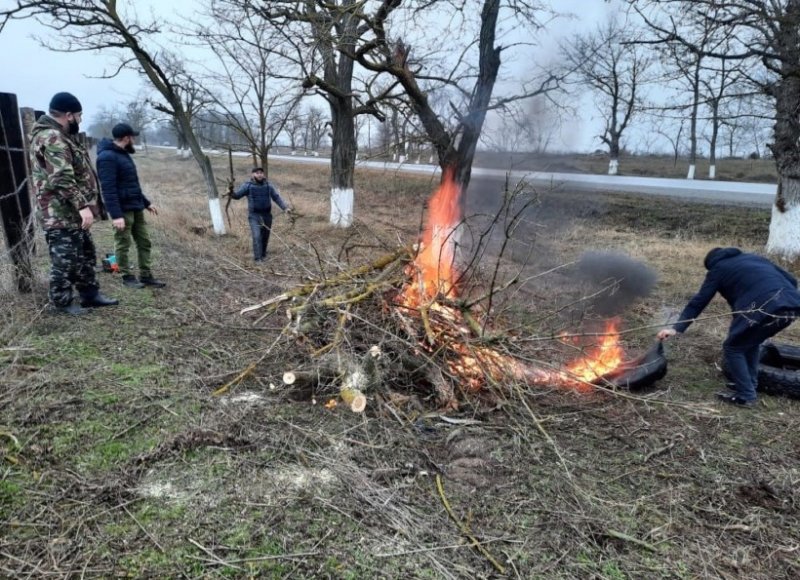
(74, 127)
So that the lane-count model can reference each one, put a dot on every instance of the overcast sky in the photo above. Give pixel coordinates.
(34, 73)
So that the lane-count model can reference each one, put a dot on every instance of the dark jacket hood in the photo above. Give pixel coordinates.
(718, 254)
(107, 144)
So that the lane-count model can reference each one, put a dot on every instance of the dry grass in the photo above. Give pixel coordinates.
(118, 461)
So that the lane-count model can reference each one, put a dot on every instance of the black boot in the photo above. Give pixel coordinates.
(70, 308)
(98, 300)
(130, 281)
(152, 282)
(734, 399)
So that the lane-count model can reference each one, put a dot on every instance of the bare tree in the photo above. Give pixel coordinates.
(139, 114)
(247, 82)
(316, 124)
(706, 83)
(350, 32)
(766, 33)
(136, 112)
(717, 88)
(187, 90)
(320, 37)
(293, 128)
(473, 83)
(96, 25)
(529, 126)
(670, 130)
(615, 71)
(103, 121)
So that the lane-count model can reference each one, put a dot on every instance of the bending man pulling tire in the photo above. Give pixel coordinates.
(764, 300)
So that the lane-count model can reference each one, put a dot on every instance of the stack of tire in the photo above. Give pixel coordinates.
(778, 370)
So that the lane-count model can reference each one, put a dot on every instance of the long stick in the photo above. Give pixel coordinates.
(465, 530)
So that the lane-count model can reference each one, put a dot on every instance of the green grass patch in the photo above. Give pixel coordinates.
(136, 375)
(91, 445)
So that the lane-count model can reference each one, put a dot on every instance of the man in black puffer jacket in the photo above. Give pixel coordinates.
(126, 203)
(764, 300)
(260, 195)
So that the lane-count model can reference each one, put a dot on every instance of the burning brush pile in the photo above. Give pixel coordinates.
(400, 324)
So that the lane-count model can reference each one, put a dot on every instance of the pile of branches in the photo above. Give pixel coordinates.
(353, 338)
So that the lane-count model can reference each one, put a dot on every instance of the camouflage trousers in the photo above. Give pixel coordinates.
(72, 261)
(136, 231)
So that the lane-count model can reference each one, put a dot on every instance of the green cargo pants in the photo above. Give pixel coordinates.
(135, 229)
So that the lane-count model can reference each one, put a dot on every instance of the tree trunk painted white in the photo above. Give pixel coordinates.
(690, 173)
(216, 216)
(342, 207)
(185, 153)
(784, 231)
(401, 159)
(613, 166)
(712, 171)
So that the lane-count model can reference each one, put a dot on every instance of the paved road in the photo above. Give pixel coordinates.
(760, 194)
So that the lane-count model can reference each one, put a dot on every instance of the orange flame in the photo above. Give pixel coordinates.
(433, 271)
(604, 358)
(433, 274)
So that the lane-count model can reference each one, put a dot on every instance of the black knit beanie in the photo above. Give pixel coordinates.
(65, 103)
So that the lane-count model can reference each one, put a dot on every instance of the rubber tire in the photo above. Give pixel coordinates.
(640, 372)
(778, 370)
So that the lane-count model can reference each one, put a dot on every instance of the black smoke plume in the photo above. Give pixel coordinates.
(615, 280)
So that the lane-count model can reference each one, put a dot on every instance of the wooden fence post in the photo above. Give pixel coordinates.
(15, 201)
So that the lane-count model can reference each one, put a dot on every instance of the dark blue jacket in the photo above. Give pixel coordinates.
(748, 282)
(119, 182)
(259, 196)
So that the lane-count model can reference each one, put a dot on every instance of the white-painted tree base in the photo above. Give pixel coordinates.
(712, 171)
(216, 216)
(784, 235)
(342, 207)
(185, 153)
(613, 166)
(690, 173)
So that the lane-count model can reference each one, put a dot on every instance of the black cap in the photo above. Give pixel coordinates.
(258, 169)
(121, 130)
(65, 103)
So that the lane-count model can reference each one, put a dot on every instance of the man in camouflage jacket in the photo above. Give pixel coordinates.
(67, 203)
